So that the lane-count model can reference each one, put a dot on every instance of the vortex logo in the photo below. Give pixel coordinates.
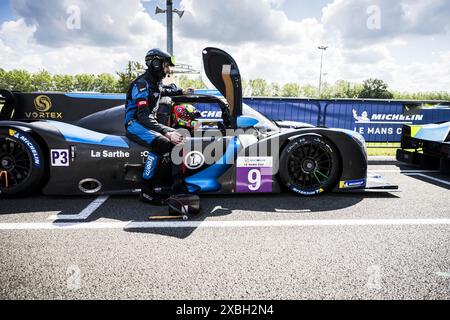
(42, 103)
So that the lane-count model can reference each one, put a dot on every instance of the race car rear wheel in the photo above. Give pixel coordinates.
(21, 163)
(310, 165)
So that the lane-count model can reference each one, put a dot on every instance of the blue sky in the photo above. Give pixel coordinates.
(405, 42)
(5, 11)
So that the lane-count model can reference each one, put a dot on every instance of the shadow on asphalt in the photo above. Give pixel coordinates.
(129, 208)
(125, 209)
(40, 203)
(423, 176)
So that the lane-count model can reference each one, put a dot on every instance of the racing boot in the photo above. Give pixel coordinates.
(178, 183)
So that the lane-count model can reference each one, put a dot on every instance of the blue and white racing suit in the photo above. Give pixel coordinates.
(143, 127)
(141, 110)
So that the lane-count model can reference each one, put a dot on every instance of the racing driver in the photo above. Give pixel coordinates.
(141, 121)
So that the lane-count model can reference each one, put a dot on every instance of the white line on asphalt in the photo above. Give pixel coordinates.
(403, 171)
(220, 224)
(443, 274)
(428, 177)
(85, 213)
(292, 211)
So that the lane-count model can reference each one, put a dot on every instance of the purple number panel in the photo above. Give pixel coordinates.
(254, 174)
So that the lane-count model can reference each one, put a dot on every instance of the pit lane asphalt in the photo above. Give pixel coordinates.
(274, 262)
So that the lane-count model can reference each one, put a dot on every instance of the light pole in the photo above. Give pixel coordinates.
(168, 11)
(323, 48)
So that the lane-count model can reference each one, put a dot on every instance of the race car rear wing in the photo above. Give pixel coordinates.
(64, 107)
(7, 103)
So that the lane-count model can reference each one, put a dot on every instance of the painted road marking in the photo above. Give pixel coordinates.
(443, 274)
(220, 224)
(85, 213)
(403, 171)
(292, 211)
(428, 177)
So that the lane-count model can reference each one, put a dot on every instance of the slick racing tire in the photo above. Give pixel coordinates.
(310, 165)
(22, 163)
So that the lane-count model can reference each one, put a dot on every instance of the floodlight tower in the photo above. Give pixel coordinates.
(323, 49)
(168, 11)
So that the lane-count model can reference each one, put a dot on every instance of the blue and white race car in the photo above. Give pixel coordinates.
(426, 145)
(75, 144)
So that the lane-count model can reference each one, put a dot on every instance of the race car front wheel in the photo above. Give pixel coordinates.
(310, 165)
(21, 163)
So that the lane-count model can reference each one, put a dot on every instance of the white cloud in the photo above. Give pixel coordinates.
(263, 41)
(101, 22)
(368, 55)
(353, 20)
(238, 21)
(39, 39)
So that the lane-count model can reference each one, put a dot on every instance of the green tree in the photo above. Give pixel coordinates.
(291, 90)
(19, 80)
(434, 95)
(84, 82)
(105, 83)
(259, 88)
(42, 81)
(375, 89)
(275, 90)
(327, 91)
(64, 82)
(345, 89)
(131, 72)
(3, 83)
(309, 91)
(186, 82)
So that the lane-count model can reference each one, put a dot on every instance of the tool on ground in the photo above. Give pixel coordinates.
(182, 217)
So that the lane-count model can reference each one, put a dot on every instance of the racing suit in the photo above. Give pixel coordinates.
(142, 125)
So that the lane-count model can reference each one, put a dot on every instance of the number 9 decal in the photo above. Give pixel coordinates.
(254, 178)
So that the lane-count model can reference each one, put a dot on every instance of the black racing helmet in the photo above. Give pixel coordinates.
(155, 57)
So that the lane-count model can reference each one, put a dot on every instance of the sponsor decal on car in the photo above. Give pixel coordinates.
(59, 158)
(306, 193)
(43, 104)
(254, 174)
(352, 184)
(109, 154)
(211, 114)
(29, 145)
(194, 160)
(150, 166)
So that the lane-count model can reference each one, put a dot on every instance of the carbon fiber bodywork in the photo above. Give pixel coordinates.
(87, 152)
(427, 146)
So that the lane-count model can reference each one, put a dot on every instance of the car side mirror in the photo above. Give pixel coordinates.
(246, 122)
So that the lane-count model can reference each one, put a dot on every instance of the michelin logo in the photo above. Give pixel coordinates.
(352, 184)
(385, 118)
(30, 146)
(211, 114)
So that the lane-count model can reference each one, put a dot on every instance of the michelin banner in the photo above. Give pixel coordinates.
(377, 121)
(381, 121)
